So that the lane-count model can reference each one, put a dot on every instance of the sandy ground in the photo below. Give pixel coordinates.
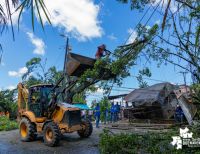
(71, 143)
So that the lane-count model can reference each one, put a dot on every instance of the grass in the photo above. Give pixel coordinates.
(6, 124)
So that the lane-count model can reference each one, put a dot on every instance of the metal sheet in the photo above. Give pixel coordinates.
(189, 109)
(151, 94)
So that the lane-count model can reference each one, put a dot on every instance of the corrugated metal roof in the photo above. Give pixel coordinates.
(150, 94)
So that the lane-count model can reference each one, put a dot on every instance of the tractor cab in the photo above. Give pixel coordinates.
(39, 97)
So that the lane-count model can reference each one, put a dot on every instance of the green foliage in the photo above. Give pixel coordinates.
(146, 143)
(32, 65)
(143, 72)
(8, 103)
(53, 75)
(38, 74)
(32, 81)
(37, 7)
(6, 124)
(196, 97)
(196, 94)
(177, 41)
(115, 69)
(79, 98)
(104, 104)
(137, 4)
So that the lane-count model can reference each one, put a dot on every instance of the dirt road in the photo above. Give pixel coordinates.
(71, 143)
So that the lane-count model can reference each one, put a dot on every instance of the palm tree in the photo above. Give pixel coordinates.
(35, 6)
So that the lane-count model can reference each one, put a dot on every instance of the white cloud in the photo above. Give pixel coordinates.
(18, 73)
(11, 87)
(148, 27)
(133, 35)
(38, 43)
(157, 22)
(100, 91)
(112, 37)
(79, 17)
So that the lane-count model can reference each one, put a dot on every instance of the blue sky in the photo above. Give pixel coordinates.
(93, 23)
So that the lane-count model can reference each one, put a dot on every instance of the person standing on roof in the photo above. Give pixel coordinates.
(100, 51)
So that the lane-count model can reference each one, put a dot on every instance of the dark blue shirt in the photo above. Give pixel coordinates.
(179, 111)
(112, 109)
(97, 111)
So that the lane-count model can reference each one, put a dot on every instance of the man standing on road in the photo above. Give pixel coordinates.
(179, 115)
(117, 111)
(97, 115)
(112, 113)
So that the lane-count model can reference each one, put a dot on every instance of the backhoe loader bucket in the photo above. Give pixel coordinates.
(77, 64)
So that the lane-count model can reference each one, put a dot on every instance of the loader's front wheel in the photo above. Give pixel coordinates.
(27, 130)
(87, 129)
(51, 134)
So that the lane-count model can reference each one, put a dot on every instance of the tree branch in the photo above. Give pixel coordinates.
(171, 53)
(185, 3)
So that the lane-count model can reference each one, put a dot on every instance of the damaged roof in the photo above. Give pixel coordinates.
(150, 94)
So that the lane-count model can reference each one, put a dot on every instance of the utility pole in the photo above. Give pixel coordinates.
(66, 53)
(66, 79)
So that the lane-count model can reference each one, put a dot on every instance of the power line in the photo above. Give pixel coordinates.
(149, 79)
(153, 12)
(143, 17)
(138, 24)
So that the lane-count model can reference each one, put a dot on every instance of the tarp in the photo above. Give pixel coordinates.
(82, 106)
(151, 94)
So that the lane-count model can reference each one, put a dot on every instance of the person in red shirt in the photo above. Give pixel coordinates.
(100, 51)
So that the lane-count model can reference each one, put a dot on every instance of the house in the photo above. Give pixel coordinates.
(158, 101)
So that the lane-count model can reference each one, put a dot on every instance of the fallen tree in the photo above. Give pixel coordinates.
(113, 69)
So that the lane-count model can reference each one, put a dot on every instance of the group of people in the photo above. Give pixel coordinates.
(110, 115)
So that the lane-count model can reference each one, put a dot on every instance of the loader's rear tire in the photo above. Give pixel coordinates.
(27, 130)
(51, 134)
(84, 133)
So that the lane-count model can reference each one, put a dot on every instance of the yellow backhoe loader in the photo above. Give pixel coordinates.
(48, 110)
(36, 117)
